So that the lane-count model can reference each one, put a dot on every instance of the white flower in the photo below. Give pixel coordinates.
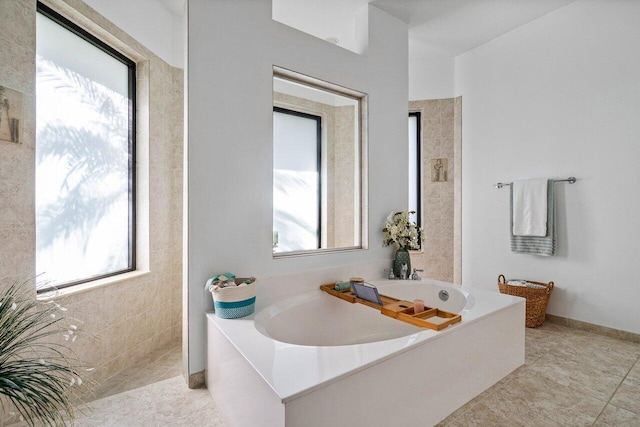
(42, 362)
(399, 229)
(14, 306)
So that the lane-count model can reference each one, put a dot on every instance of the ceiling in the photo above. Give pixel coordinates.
(437, 28)
(445, 28)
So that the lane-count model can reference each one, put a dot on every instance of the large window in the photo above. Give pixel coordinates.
(296, 180)
(415, 171)
(85, 201)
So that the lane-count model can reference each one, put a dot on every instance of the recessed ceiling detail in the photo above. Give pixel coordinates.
(437, 28)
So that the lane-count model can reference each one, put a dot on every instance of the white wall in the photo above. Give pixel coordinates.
(431, 79)
(232, 48)
(149, 22)
(559, 96)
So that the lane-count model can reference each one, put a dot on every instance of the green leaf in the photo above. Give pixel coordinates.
(39, 391)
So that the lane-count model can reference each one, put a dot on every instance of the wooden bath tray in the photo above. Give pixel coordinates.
(431, 317)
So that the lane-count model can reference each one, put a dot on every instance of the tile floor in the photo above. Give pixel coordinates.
(165, 403)
(149, 393)
(570, 378)
(158, 366)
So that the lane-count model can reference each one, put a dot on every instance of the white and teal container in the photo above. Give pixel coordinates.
(232, 302)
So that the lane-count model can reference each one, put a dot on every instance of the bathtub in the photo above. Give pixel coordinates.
(312, 359)
(318, 318)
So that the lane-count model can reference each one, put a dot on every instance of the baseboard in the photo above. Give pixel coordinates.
(590, 327)
(197, 380)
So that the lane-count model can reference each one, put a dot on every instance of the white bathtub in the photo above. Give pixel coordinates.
(318, 319)
(315, 360)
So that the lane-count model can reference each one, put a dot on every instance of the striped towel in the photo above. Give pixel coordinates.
(537, 245)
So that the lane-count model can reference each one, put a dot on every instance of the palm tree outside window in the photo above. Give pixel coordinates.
(85, 155)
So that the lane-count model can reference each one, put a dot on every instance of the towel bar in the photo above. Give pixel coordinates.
(570, 180)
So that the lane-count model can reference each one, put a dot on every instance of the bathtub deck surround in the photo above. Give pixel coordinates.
(294, 356)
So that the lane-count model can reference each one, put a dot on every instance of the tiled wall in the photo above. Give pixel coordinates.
(346, 197)
(457, 190)
(131, 318)
(438, 198)
(17, 183)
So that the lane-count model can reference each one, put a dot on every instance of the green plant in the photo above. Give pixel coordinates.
(36, 373)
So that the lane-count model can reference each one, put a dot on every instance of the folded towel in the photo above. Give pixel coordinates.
(545, 245)
(529, 207)
(342, 286)
(220, 281)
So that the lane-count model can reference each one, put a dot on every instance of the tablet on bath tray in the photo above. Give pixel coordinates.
(367, 292)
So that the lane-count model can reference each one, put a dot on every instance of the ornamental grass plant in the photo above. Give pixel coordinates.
(38, 371)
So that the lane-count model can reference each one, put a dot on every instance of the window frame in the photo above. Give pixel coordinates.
(77, 30)
(418, 160)
(318, 121)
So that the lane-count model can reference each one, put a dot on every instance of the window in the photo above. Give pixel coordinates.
(415, 171)
(85, 155)
(297, 179)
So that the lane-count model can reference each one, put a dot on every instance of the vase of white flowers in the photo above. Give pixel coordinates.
(407, 235)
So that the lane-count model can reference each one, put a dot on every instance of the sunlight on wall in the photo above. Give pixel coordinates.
(82, 157)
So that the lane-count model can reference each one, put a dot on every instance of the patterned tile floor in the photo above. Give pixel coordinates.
(165, 403)
(158, 366)
(570, 378)
(150, 393)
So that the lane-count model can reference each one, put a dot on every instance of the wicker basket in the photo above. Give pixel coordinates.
(537, 299)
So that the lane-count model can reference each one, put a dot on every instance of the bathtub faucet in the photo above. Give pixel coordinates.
(415, 276)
